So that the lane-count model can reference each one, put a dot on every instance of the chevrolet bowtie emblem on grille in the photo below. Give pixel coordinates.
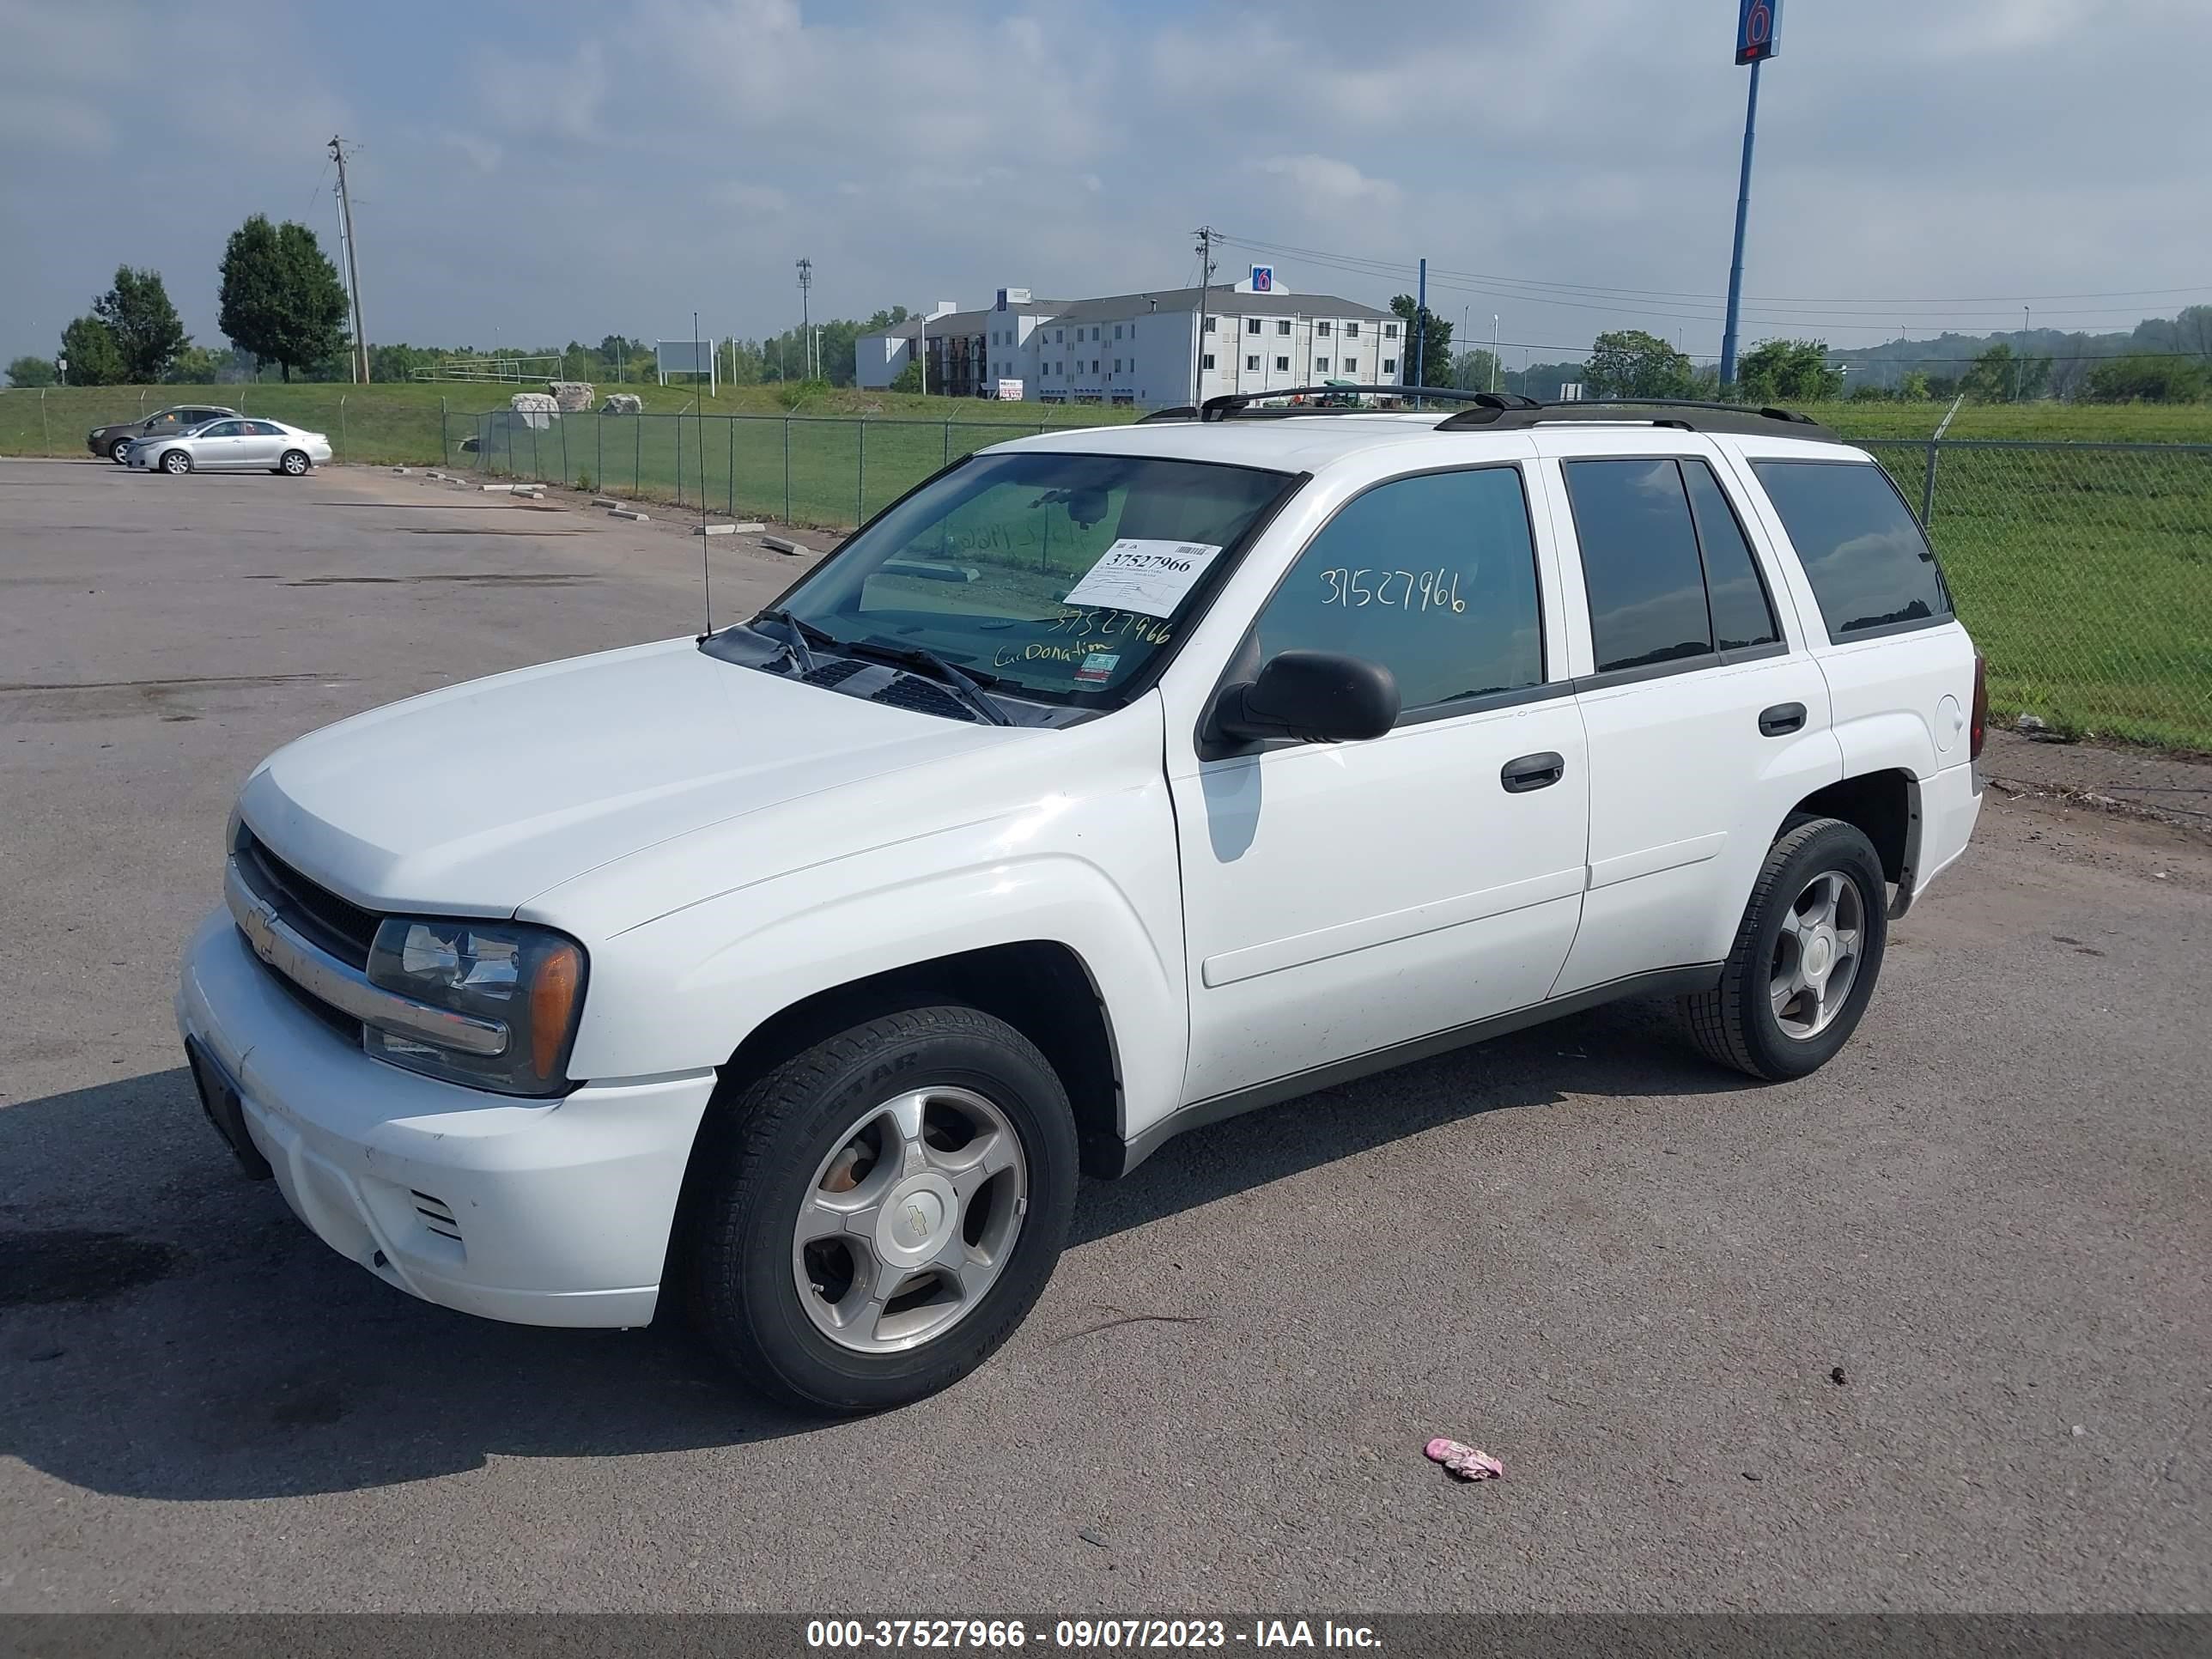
(259, 923)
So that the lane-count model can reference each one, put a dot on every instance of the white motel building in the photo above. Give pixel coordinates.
(1139, 349)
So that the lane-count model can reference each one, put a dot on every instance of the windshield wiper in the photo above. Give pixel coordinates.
(970, 687)
(801, 635)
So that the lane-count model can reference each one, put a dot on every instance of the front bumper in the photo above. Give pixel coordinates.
(540, 1212)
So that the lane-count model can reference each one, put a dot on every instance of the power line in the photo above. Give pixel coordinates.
(1934, 302)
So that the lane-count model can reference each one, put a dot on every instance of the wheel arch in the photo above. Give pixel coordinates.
(1039, 986)
(1883, 805)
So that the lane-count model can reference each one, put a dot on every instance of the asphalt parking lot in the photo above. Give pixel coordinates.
(1633, 1278)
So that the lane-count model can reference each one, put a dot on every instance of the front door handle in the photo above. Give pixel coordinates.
(1531, 772)
(1781, 720)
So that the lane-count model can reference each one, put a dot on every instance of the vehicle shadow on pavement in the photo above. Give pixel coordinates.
(1625, 1049)
(169, 1331)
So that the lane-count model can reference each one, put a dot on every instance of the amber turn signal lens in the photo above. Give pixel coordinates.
(552, 1000)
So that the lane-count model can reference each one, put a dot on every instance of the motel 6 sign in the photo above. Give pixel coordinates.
(1754, 30)
(1263, 279)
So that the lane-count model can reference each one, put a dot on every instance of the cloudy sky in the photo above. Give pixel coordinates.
(533, 173)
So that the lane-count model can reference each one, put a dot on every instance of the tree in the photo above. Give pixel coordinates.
(94, 358)
(27, 372)
(1913, 388)
(2143, 378)
(1789, 371)
(1998, 376)
(1630, 363)
(281, 299)
(1431, 352)
(195, 366)
(1475, 370)
(907, 378)
(146, 327)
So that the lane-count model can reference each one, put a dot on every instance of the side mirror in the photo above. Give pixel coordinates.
(1310, 696)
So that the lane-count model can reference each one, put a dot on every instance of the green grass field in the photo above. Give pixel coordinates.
(2086, 575)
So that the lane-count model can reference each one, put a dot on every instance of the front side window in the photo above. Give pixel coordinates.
(1051, 576)
(1434, 577)
(1864, 554)
(1640, 568)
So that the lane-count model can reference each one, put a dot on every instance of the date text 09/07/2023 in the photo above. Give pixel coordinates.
(1085, 1634)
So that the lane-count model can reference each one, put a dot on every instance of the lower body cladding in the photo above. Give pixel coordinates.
(537, 1211)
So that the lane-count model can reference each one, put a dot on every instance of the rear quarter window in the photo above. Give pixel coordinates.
(1869, 565)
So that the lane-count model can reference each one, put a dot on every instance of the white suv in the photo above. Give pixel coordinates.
(1108, 784)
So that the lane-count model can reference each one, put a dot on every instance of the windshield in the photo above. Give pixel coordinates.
(1042, 574)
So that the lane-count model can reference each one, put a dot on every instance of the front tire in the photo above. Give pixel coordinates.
(294, 464)
(869, 1221)
(1805, 958)
(176, 463)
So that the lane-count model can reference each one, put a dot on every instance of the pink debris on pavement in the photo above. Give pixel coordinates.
(1465, 1461)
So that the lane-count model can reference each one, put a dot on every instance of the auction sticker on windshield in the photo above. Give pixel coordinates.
(1148, 577)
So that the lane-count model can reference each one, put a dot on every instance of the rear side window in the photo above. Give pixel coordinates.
(1433, 576)
(1742, 614)
(1869, 565)
(1640, 567)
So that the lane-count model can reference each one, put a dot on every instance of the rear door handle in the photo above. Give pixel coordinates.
(1781, 720)
(1531, 772)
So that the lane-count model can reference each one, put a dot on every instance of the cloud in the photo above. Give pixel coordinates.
(1332, 182)
(1989, 146)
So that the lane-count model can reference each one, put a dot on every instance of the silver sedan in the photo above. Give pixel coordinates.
(233, 445)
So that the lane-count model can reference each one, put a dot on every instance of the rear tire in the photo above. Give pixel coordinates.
(294, 464)
(1805, 960)
(941, 1133)
(119, 452)
(176, 463)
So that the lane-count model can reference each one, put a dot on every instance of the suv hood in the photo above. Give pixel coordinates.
(472, 799)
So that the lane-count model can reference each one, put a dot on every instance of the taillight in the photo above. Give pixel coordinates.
(1979, 727)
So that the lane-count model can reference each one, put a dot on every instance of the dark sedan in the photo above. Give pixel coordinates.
(114, 438)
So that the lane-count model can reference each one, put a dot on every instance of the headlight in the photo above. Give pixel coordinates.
(528, 981)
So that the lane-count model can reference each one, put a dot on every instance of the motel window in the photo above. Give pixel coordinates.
(1352, 330)
(1322, 329)
(1352, 365)
(1284, 326)
(1390, 366)
(1210, 323)
(1283, 363)
(1321, 365)
(1208, 360)
(1251, 324)
(1389, 331)
(1252, 362)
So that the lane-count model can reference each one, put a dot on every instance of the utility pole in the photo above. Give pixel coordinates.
(1206, 234)
(1420, 328)
(1755, 44)
(805, 291)
(2026, 316)
(353, 267)
(1493, 351)
(922, 349)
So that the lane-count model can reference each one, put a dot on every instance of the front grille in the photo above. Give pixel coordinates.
(333, 925)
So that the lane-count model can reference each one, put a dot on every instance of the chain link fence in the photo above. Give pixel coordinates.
(2084, 571)
(817, 472)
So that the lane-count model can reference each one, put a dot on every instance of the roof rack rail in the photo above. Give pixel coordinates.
(1334, 399)
(1180, 412)
(1686, 414)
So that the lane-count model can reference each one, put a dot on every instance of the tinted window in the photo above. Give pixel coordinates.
(1742, 614)
(1865, 556)
(1433, 577)
(265, 430)
(1647, 590)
